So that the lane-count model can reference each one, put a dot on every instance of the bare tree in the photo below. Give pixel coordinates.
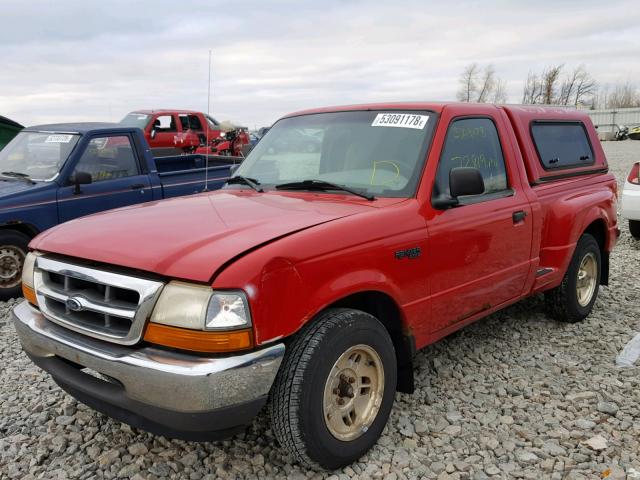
(600, 97)
(624, 95)
(550, 78)
(487, 84)
(545, 89)
(468, 83)
(481, 85)
(532, 89)
(499, 92)
(577, 87)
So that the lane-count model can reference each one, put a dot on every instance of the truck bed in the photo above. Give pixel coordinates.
(185, 174)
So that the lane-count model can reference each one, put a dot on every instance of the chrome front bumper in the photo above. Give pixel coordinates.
(149, 381)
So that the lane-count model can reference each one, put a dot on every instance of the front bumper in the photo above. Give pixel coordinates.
(165, 392)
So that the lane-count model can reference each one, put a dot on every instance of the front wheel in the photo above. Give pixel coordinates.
(13, 249)
(335, 389)
(572, 301)
(634, 228)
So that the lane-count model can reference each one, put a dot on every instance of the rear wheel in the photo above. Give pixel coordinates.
(13, 249)
(335, 389)
(572, 301)
(634, 228)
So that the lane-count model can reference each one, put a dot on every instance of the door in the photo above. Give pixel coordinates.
(116, 179)
(190, 121)
(166, 129)
(479, 251)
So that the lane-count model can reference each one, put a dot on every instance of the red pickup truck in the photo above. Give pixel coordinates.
(170, 129)
(310, 281)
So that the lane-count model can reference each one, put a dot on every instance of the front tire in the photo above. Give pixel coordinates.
(13, 250)
(572, 301)
(335, 388)
(634, 228)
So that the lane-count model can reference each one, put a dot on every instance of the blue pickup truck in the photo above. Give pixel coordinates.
(53, 173)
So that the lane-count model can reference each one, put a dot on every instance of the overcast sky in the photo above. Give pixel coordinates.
(69, 60)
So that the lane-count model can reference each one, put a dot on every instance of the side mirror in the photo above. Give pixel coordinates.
(462, 181)
(153, 133)
(465, 181)
(81, 178)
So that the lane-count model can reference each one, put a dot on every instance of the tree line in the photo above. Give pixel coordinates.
(554, 85)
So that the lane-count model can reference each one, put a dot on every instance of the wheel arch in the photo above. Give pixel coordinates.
(24, 228)
(386, 310)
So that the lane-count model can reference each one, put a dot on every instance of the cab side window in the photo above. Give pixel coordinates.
(108, 158)
(194, 122)
(165, 123)
(472, 142)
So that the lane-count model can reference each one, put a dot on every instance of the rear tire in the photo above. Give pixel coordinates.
(13, 249)
(634, 228)
(572, 301)
(335, 388)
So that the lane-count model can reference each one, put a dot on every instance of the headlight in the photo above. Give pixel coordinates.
(196, 317)
(227, 311)
(198, 307)
(27, 278)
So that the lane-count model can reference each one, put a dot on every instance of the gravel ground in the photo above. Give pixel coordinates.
(513, 396)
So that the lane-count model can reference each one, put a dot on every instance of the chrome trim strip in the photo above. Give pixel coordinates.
(148, 291)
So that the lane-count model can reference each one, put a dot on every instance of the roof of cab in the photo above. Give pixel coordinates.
(432, 106)
(80, 128)
(538, 111)
(9, 122)
(162, 111)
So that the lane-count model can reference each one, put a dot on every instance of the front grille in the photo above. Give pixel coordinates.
(99, 303)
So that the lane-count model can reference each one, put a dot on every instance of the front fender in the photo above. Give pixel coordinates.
(298, 298)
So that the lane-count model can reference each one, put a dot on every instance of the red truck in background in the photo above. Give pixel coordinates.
(313, 277)
(185, 131)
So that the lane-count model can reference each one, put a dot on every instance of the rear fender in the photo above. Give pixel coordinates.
(567, 220)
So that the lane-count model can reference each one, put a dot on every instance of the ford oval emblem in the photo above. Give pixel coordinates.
(73, 304)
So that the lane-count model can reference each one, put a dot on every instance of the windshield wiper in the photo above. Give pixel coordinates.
(322, 185)
(252, 182)
(22, 176)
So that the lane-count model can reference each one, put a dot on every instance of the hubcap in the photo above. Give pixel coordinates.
(11, 260)
(587, 277)
(353, 392)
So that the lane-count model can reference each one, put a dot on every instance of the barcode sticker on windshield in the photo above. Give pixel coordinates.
(58, 139)
(401, 120)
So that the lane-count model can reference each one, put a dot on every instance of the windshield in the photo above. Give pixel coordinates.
(213, 123)
(376, 152)
(37, 154)
(136, 120)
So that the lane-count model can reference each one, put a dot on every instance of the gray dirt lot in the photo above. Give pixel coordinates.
(515, 395)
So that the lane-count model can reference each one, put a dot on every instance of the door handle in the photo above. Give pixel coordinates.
(518, 216)
(137, 186)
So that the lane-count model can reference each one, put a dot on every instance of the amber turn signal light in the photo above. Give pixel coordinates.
(29, 294)
(198, 340)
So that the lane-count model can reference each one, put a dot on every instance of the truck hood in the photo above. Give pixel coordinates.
(10, 187)
(193, 237)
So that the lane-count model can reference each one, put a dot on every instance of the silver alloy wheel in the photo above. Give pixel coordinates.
(587, 278)
(353, 392)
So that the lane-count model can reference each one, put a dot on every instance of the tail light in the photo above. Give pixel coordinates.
(634, 175)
